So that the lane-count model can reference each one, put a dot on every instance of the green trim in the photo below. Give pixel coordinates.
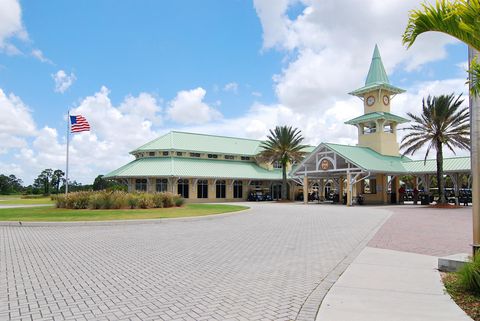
(377, 115)
(194, 167)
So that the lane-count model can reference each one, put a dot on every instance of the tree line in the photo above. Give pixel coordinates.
(51, 181)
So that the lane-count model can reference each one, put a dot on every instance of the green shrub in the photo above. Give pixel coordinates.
(95, 201)
(469, 275)
(179, 201)
(145, 200)
(157, 199)
(116, 200)
(132, 201)
(168, 199)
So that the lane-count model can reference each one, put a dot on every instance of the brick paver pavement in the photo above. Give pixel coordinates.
(258, 265)
(418, 229)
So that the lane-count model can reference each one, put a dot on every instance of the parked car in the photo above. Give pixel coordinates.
(258, 196)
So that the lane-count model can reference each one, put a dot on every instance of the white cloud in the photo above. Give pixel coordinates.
(231, 87)
(16, 122)
(38, 54)
(63, 81)
(256, 94)
(11, 26)
(328, 50)
(188, 108)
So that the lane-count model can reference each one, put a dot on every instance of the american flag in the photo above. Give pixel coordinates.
(79, 124)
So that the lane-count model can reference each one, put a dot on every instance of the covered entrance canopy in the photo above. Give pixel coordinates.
(359, 167)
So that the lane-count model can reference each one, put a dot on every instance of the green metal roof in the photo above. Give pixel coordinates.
(377, 115)
(183, 141)
(453, 164)
(370, 160)
(194, 167)
(377, 77)
(203, 143)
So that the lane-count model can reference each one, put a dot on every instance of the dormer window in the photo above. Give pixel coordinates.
(277, 164)
(194, 154)
(229, 157)
(245, 158)
(179, 153)
(212, 156)
(165, 153)
(151, 154)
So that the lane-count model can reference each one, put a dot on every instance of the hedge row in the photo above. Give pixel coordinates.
(117, 200)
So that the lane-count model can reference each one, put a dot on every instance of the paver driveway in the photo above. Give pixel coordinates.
(262, 264)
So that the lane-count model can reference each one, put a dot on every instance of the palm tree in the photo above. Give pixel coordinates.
(459, 19)
(443, 122)
(283, 145)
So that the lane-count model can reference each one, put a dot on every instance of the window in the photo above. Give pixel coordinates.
(161, 185)
(237, 189)
(229, 157)
(255, 183)
(212, 156)
(277, 164)
(179, 154)
(245, 158)
(370, 128)
(202, 188)
(165, 153)
(151, 154)
(194, 154)
(388, 128)
(141, 184)
(370, 186)
(182, 188)
(221, 190)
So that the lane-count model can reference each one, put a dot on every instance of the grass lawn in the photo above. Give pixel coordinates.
(17, 200)
(469, 302)
(64, 215)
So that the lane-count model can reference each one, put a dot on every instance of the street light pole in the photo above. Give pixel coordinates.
(474, 156)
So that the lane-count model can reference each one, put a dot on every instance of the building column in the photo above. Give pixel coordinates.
(384, 186)
(340, 190)
(397, 186)
(349, 189)
(305, 189)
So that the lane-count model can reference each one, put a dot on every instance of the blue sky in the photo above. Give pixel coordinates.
(238, 67)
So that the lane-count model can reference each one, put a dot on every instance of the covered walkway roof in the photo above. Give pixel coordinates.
(343, 158)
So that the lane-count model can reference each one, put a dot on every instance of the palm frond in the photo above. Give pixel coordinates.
(459, 19)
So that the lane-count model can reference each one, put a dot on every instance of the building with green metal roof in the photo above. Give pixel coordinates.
(218, 168)
(201, 167)
(373, 167)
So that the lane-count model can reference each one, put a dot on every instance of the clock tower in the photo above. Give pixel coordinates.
(377, 127)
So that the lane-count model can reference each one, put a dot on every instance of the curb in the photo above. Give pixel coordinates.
(120, 222)
(311, 306)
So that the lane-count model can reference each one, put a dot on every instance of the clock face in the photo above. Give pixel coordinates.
(370, 100)
(386, 100)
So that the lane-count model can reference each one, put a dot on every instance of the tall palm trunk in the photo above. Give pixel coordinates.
(284, 181)
(475, 161)
(440, 181)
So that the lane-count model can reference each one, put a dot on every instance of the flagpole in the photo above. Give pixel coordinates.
(68, 143)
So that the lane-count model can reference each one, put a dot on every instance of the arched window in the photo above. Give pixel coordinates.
(182, 187)
(221, 190)
(161, 185)
(202, 188)
(141, 184)
(237, 189)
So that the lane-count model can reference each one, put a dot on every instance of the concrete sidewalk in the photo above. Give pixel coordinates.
(386, 285)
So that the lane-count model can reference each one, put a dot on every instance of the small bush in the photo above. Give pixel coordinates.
(145, 201)
(157, 199)
(469, 275)
(179, 201)
(116, 200)
(132, 201)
